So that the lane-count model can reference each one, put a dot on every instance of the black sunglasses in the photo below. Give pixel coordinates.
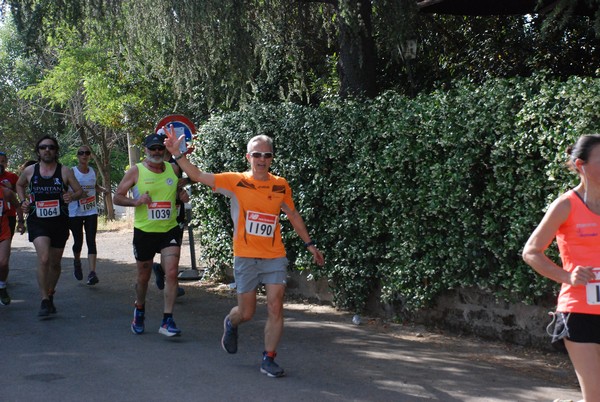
(157, 148)
(49, 147)
(266, 155)
(83, 153)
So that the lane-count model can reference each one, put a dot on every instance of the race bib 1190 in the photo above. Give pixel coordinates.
(260, 224)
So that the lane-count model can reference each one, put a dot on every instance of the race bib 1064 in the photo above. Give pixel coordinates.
(159, 211)
(47, 209)
(592, 289)
(260, 224)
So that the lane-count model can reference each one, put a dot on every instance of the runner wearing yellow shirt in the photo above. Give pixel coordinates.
(154, 186)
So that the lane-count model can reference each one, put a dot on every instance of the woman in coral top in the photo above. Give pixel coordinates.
(574, 220)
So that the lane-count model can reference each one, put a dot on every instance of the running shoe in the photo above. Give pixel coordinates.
(44, 308)
(4, 297)
(92, 278)
(159, 274)
(77, 272)
(270, 368)
(137, 325)
(169, 328)
(51, 307)
(230, 336)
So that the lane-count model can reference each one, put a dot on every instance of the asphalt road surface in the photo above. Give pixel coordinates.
(87, 352)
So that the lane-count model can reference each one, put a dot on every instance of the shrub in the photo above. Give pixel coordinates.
(411, 196)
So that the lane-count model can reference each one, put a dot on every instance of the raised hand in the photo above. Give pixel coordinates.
(171, 141)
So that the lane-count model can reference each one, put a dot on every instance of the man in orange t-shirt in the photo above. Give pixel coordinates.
(257, 199)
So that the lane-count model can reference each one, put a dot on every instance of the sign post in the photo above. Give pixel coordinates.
(183, 126)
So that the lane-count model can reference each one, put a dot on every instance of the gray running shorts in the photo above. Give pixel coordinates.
(251, 272)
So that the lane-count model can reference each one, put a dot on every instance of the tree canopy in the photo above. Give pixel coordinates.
(97, 70)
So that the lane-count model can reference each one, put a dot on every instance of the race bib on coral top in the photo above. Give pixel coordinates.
(592, 289)
(260, 224)
(159, 211)
(87, 204)
(47, 209)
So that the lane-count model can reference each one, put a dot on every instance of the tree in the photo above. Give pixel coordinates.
(22, 123)
(221, 54)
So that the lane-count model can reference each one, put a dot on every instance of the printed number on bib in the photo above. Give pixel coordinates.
(159, 211)
(592, 289)
(87, 204)
(47, 209)
(260, 224)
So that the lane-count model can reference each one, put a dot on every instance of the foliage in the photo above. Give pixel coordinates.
(412, 196)
(220, 54)
(20, 125)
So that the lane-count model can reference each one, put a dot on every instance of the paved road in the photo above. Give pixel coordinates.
(88, 353)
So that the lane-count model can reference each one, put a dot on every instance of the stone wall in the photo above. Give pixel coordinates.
(476, 312)
(468, 311)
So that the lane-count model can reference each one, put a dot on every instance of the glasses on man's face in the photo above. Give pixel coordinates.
(49, 147)
(83, 153)
(266, 155)
(157, 148)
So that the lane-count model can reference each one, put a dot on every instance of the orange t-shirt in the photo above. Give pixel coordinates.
(578, 241)
(255, 209)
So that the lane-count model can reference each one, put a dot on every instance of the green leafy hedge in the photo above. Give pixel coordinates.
(411, 196)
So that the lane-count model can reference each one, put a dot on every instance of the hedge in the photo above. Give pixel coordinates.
(409, 197)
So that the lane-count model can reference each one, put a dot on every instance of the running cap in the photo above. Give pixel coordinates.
(154, 139)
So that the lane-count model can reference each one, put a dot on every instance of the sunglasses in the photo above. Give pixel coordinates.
(266, 155)
(49, 147)
(83, 153)
(157, 148)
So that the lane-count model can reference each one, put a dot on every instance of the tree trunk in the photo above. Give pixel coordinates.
(357, 51)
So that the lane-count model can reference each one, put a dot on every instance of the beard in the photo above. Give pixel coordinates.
(47, 158)
(156, 159)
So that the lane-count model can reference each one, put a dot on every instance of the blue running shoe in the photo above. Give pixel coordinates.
(160, 275)
(137, 325)
(270, 368)
(169, 328)
(230, 336)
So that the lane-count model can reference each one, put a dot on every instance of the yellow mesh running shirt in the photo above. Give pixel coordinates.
(255, 209)
(160, 215)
